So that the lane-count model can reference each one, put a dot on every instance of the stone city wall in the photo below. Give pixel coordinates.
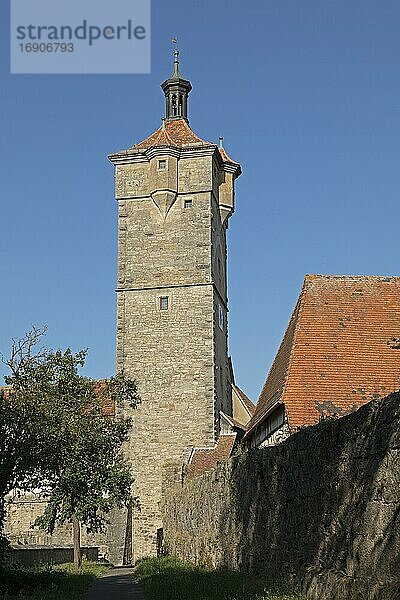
(321, 510)
(20, 516)
(47, 555)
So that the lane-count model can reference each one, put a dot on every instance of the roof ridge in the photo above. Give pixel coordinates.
(313, 276)
(167, 135)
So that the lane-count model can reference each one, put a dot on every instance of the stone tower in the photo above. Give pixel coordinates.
(175, 194)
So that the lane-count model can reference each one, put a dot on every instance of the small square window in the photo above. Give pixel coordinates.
(164, 304)
(162, 164)
(188, 203)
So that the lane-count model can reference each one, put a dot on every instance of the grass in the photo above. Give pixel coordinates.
(58, 582)
(168, 578)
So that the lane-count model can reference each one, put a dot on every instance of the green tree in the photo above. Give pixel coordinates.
(21, 453)
(78, 463)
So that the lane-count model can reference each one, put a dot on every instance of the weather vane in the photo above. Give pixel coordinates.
(174, 45)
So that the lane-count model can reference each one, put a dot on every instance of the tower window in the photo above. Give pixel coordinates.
(164, 303)
(162, 164)
(188, 203)
(174, 108)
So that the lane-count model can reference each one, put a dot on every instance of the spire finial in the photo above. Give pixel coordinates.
(221, 141)
(175, 47)
(176, 74)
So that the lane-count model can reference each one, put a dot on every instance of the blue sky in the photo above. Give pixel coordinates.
(307, 97)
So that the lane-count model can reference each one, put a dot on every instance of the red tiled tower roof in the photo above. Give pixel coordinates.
(335, 354)
(175, 132)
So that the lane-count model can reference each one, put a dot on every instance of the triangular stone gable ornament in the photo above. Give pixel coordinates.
(163, 199)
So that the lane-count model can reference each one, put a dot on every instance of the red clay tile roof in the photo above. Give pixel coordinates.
(176, 133)
(108, 404)
(225, 156)
(335, 355)
(205, 459)
(245, 399)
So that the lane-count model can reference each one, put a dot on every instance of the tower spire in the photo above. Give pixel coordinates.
(176, 90)
(176, 74)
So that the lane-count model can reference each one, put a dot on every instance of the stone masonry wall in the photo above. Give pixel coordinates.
(321, 510)
(47, 555)
(169, 230)
(20, 516)
(172, 362)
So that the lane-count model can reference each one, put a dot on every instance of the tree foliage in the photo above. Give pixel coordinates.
(56, 437)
